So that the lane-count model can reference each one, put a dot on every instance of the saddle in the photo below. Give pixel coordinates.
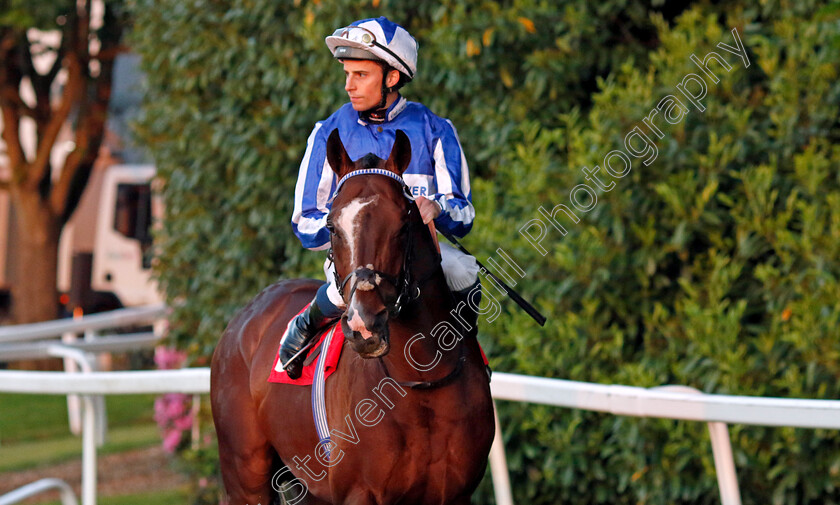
(332, 350)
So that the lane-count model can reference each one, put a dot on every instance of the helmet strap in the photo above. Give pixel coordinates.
(379, 112)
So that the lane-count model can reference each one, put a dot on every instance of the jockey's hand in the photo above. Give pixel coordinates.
(429, 209)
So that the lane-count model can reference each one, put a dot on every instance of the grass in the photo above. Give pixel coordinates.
(31, 454)
(28, 417)
(34, 430)
(40, 417)
(168, 497)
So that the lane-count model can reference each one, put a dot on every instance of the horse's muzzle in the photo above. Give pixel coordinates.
(368, 335)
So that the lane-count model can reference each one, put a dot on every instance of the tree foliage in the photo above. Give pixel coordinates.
(715, 266)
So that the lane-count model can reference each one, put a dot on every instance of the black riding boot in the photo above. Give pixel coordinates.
(468, 314)
(301, 330)
(466, 311)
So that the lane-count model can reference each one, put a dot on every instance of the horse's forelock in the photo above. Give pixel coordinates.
(370, 160)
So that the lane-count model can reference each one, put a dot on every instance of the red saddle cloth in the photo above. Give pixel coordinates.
(308, 374)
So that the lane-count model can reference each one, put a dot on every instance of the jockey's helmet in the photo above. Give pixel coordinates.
(377, 39)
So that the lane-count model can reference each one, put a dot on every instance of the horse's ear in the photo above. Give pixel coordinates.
(337, 156)
(400, 154)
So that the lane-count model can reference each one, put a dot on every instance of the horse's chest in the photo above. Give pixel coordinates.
(401, 446)
(416, 456)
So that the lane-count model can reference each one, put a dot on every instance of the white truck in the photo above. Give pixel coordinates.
(114, 270)
(105, 250)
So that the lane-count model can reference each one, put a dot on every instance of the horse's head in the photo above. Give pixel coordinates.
(370, 222)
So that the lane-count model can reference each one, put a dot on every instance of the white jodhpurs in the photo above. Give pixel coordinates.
(460, 270)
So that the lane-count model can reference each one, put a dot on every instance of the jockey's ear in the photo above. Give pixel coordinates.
(400, 154)
(337, 156)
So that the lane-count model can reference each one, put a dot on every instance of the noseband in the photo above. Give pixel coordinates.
(403, 282)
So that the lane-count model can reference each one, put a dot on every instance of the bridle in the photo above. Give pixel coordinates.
(403, 281)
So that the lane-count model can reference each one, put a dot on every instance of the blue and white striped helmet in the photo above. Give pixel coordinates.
(376, 39)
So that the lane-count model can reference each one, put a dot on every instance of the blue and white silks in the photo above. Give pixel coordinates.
(438, 169)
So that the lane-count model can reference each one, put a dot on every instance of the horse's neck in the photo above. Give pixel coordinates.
(435, 299)
(429, 315)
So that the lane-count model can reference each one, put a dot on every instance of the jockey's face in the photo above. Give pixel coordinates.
(363, 83)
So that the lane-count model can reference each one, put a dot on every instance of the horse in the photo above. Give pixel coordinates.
(409, 404)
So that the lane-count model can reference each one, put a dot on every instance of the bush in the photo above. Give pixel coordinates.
(715, 266)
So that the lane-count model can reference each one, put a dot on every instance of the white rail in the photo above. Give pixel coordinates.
(667, 403)
(15, 351)
(112, 319)
(37, 487)
(35, 341)
(187, 380)
(662, 403)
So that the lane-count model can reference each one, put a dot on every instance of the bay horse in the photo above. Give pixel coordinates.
(409, 404)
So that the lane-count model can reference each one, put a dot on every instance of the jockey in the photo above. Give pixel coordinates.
(379, 57)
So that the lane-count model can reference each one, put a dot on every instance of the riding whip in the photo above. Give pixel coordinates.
(527, 307)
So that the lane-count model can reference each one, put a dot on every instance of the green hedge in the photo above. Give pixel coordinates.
(234, 88)
(715, 266)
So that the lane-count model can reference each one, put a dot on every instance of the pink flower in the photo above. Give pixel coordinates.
(183, 423)
(167, 358)
(160, 419)
(170, 406)
(171, 440)
(175, 405)
(173, 416)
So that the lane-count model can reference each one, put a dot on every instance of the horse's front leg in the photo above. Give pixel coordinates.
(246, 462)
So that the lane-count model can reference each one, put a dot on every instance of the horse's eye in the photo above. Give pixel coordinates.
(330, 227)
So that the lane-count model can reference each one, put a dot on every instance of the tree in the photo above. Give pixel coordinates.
(73, 91)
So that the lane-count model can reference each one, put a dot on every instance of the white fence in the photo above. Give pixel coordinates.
(60, 338)
(113, 319)
(668, 402)
(38, 487)
(619, 400)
